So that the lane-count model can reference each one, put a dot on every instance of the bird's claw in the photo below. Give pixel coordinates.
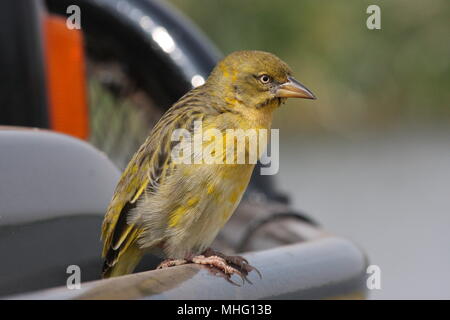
(238, 261)
(217, 272)
(234, 265)
(243, 265)
(219, 265)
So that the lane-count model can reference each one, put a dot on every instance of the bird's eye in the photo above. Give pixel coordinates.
(264, 78)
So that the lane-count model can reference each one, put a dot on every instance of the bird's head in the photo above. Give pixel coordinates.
(256, 79)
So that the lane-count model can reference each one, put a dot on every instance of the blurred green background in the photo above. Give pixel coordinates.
(364, 79)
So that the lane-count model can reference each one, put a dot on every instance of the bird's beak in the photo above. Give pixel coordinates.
(294, 89)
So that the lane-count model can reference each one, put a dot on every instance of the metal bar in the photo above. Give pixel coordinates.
(328, 267)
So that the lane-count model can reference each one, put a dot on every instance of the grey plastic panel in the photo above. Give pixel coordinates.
(47, 175)
(54, 191)
(36, 255)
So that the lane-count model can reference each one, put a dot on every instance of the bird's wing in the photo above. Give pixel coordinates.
(117, 234)
(148, 168)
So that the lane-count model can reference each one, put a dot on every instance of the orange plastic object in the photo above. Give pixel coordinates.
(66, 82)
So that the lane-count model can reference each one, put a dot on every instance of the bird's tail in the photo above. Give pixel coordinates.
(125, 264)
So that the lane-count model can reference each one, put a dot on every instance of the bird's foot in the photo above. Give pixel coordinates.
(171, 263)
(238, 262)
(225, 266)
(219, 266)
(218, 263)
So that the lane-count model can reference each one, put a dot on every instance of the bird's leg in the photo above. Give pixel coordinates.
(219, 263)
(238, 262)
(171, 263)
(219, 266)
(224, 265)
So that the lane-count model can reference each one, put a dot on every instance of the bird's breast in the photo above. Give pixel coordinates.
(209, 200)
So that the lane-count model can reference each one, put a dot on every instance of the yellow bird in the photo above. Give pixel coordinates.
(177, 208)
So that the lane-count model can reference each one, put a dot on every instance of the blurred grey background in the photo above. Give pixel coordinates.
(370, 159)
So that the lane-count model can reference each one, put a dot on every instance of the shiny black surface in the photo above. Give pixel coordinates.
(22, 91)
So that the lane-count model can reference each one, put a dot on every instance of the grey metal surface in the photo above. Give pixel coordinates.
(46, 175)
(328, 267)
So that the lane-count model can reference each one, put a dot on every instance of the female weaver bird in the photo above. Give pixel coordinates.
(178, 208)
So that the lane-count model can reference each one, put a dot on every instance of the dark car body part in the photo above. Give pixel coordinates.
(23, 97)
